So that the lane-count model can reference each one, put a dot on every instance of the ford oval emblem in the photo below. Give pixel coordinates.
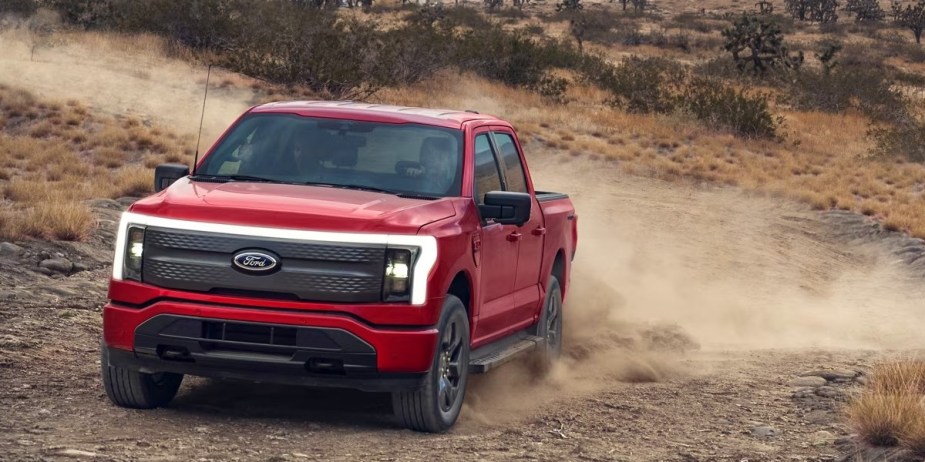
(257, 262)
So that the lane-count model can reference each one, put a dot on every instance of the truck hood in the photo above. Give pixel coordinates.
(294, 206)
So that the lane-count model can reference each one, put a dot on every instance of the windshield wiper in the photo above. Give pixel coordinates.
(353, 186)
(259, 179)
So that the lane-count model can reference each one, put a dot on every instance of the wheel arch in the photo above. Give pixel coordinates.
(461, 287)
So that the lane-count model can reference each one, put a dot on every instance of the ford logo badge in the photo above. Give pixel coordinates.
(254, 261)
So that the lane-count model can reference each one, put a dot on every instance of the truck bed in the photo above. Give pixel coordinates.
(545, 196)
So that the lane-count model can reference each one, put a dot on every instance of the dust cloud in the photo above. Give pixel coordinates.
(665, 269)
(120, 75)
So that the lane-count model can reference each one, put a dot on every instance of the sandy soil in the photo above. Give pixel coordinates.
(693, 309)
(765, 288)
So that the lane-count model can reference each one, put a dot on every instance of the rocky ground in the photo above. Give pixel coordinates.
(765, 383)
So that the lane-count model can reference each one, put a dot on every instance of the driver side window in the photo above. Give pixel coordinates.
(487, 175)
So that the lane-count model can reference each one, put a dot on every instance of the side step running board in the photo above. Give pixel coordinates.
(489, 357)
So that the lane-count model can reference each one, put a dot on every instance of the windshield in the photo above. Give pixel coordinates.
(406, 159)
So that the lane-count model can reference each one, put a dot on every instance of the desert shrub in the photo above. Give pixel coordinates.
(904, 140)
(857, 81)
(889, 410)
(62, 220)
(723, 107)
(553, 88)
(90, 13)
(512, 58)
(18, 7)
(460, 15)
(643, 85)
(697, 23)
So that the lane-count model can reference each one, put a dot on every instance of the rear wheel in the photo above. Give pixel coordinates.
(549, 327)
(435, 407)
(133, 389)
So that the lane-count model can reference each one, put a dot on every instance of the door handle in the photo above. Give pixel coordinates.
(539, 231)
(514, 237)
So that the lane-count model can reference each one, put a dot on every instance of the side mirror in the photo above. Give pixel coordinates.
(166, 174)
(507, 208)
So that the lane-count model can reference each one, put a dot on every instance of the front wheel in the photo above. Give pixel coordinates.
(435, 407)
(138, 390)
(549, 327)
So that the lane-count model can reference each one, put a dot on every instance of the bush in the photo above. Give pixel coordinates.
(22, 8)
(857, 83)
(723, 107)
(643, 85)
(904, 140)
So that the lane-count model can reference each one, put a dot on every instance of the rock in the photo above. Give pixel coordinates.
(78, 267)
(827, 392)
(849, 440)
(822, 437)
(764, 431)
(106, 204)
(58, 265)
(45, 271)
(861, 379)
(834, 374)
(77, 453)
(8, 249)
(808, 381)
(819, 417)
(804, 392)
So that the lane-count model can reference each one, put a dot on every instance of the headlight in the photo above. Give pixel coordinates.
(396, 285)
(134, 252)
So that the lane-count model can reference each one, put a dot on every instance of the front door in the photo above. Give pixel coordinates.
(499, 246)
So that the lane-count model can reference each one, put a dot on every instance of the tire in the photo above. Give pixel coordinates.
(435, 407)
(549, 327)
(137, 390)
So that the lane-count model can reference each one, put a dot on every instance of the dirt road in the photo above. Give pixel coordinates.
(765, 288)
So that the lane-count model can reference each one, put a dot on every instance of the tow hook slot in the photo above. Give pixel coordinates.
(173, 353)
(325, 366)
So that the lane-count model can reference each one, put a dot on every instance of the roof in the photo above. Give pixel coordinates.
(449, 118)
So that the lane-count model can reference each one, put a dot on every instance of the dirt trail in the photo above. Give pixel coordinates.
(766, 288)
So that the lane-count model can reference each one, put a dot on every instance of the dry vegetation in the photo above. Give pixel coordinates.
(54, 156)
(890, 410)
(822, 158)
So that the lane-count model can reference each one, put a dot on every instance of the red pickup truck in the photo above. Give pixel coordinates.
(340, 244)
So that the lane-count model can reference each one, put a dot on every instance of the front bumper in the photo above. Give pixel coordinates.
(267, 345)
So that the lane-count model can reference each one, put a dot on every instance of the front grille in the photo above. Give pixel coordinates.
(309, 271)
(249, 333)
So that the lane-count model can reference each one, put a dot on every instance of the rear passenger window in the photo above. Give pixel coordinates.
(487, 176)
(513, 169)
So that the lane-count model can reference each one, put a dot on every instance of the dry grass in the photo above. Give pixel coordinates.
(823, 160)
(890, 410)
(54, 156)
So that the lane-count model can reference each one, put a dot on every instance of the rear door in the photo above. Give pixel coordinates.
(531, 234)
(498, 252)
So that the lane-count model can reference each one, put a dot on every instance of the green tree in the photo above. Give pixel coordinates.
(911, 17)
(759, 45)
(865, 10)
(821, 11)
